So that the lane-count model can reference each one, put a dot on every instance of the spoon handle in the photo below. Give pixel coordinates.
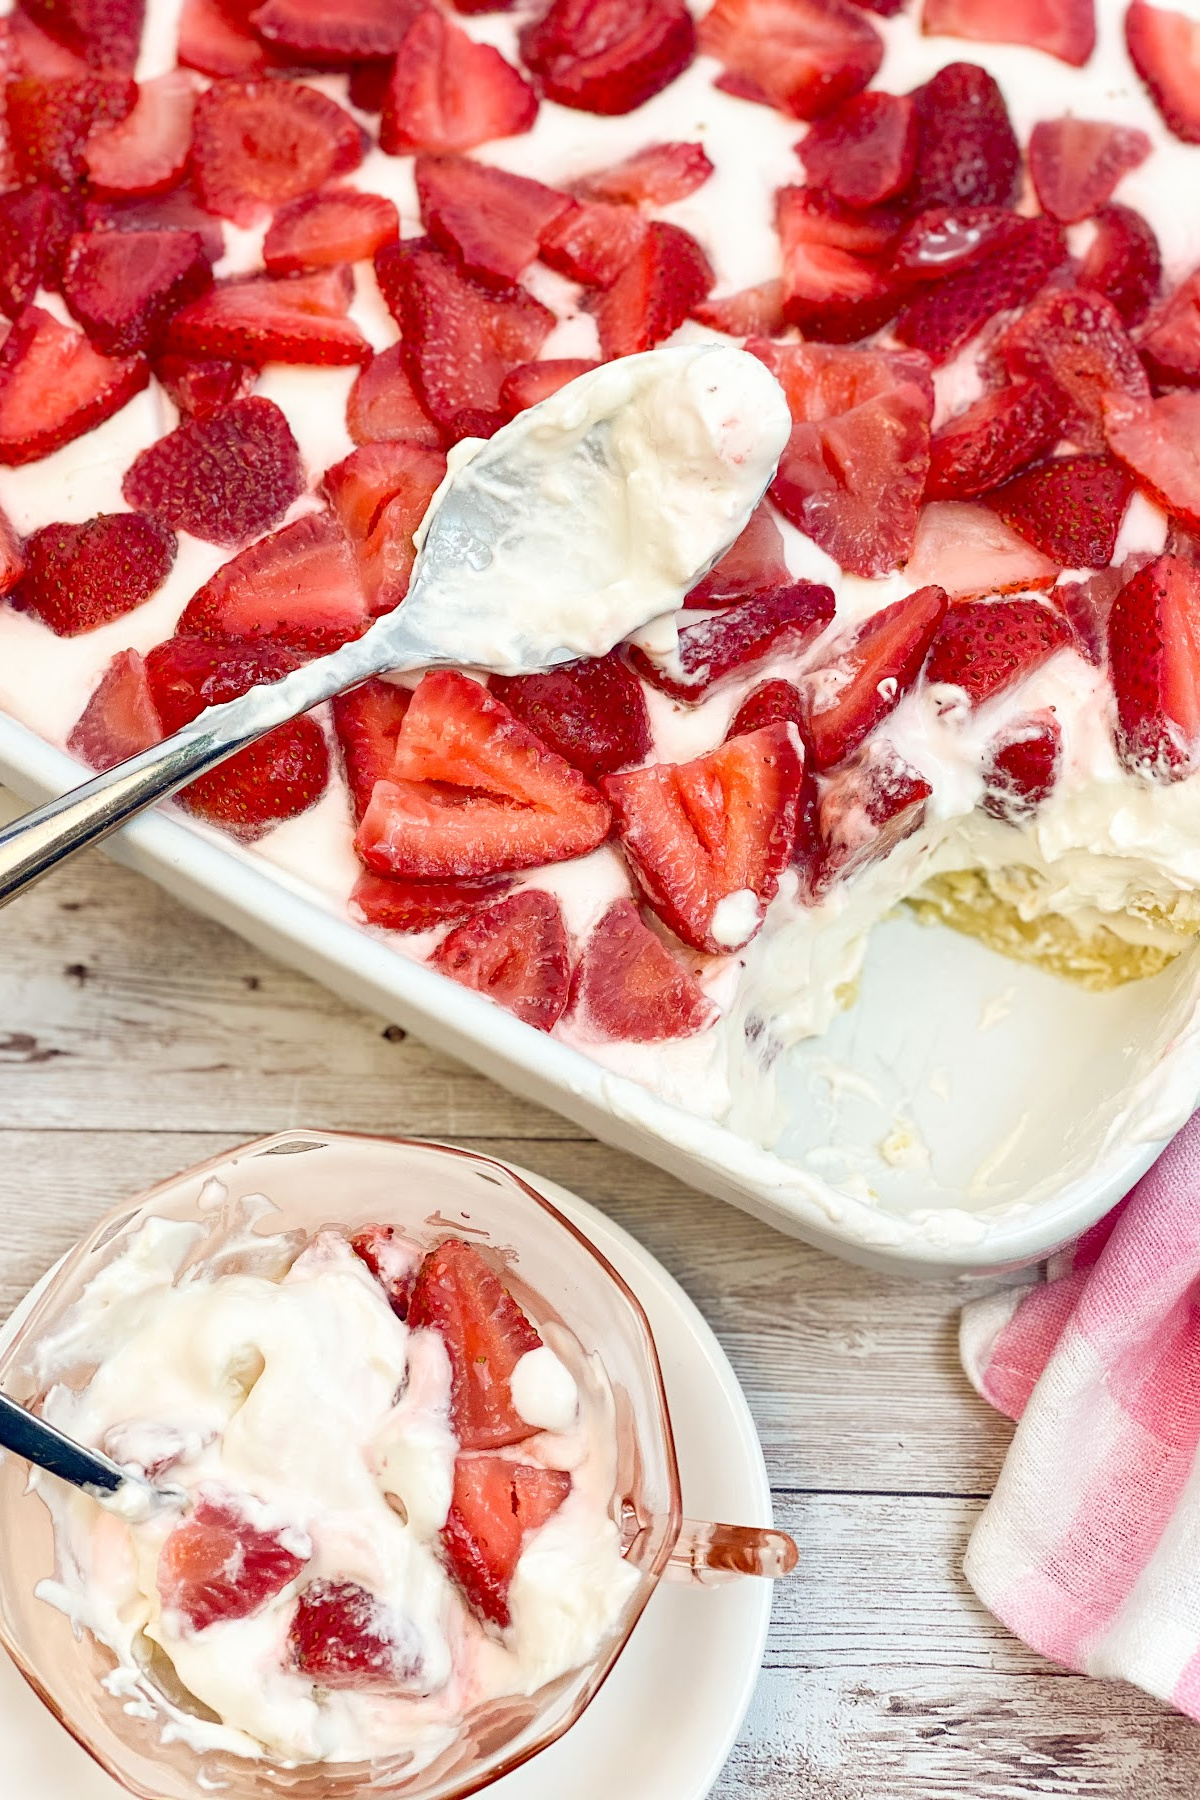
(32, 1438)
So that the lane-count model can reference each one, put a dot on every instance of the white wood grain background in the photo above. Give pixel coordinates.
(136, 1038)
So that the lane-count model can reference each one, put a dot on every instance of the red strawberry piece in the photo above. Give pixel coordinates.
(28, 50)
(281, 775)
(1157, 441)
(459, 1295)
(213, 41)
(1164, 47)
(267, 318)
(860, 814)
(854, 469)
(594, 241)
(629, 987)
(492, 221)
(1154, 655)
(1022, 767)
(531, 382)
(147, 152)
(992, 439)
(753, 564)
(751, 312)
(391, 1260)
(336, 225)
(50, 122)
(298, 587)
(667, 276)
(1170, 342)
(775, 702)
(80, 576)
(12, 556)
(1077, 342)
(36, 224)
(1123, 262)
(1062, 28)
(983, 646)
(865, 151)
(397, 905)
(656, 176)
(803, 56)
(592, 713)
(381, 493)
(943, 318)
(256, 144)
(838, 284)
(344, 1636)
(383, 404)
(474, 792)
(719, 828)
(860, 680)
(224, 478)
(124, 286)
(1076, 163)
(449, 93)
(1071, 508)
(312, 31)
(943, 240)
(608, 56)
(120, 719)
(967, 152)
(54, 386)
(218, 1565)
(368, 83)
(105, 33)
(367, 720)
(712, 648)
(516, 953)
(199, 388)
(969, 551)
(496, 1504)
(1087, 605)
(174, 211)
(460, 337)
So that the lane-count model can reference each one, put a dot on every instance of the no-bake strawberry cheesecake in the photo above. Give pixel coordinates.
(267, 265)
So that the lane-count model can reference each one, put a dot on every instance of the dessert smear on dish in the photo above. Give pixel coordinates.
(267, 264)
(397, 1495)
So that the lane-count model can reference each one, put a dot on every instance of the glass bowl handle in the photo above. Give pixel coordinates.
(709, 1553)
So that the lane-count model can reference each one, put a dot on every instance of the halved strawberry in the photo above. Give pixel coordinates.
(774, 702)
(532, 382)
(860, 813)
(1071, 508)
(1158, 440)
(105, 33)
(213, 41)
(218, 1565)
(658, 175)
(334, 225)
(718, 829)
(753, 564)
(449, 93)
(36, 224)
(1062, 28)
(176, 210)
(383, 404)
(516, 953)
(50, 122)
(1123, 262)
(367, 720)
(492, 221)
(864, 677)
(854, 469)
(80, 576)
(865, 151)
(1170, 342)
(1154, 655)
(945, 317)
(1164, 47)
(751, 312)
(993, 438)
(300, 587)
(395, 904)
(803, 56)
(967, 152)
(594, 241)
(496, 1504)
(345, 1637)
(592, 713)
(666, 277)
(838, 283)
(1076, 163)
(608, 56)
(783, 620)
(224, 478)
(312, 31)
(1022, 767)
(983, 646)
(459, 1295)
(628, 987)
(381, 493)
(474, 792)
(120, 719)
(256, 144)
(267, 318)
(54, 386)
(147, 152)
(1078, 343)
(943, 240)
(124, 286)
(969, 551)
(202, 386)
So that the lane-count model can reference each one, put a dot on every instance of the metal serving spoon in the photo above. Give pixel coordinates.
(49, 1448)
(577, 524)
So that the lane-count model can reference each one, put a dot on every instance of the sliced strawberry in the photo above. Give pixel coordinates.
(474, 792)
(449, 93)
(532, 382)
(300, 587)
(864, 677)
(12, 556)
(1071, 508)
(774, 702)
(716, 829)
(592, 713)
(398, 905)
(753, 564)
(983, 646)
(105, 33)
(943, 240)
(120, 719)
(1076, 163)
(865, 151)
(368, 81)
(173, 211)
(1170, 342)
(1077, 342)
(1123, 262)
(80, 576)
(516, 953)
(31, 51)
(312, 31)
(367, 720)
(656, 176)
(1087, 604)
(992, 439)
(459, 1295)
(381, 493)
(752, 312)
(967, 153)
(1022, 767)
(383, 404)
(148, 151)
(594, 242)
(124, 286)
(1164, 47)
(36, 224)
(711, 649)
(224, 478)
(803, 56)
(838, 284)
(628, 986)
(1062, 28)
(943, 318)
(460, 338)
(1156, 440)
(266, 318)
(202, 386)
(218, 1565)
(860, 814)
(854, 469)
(54, 386)
(492, 221)
(344, 1636)
(667, 276)
(608, 56)
(258, 143)
(335, 225)
(50, 122)
(392, 1259)
(1154, 654)
(496, 1504)
(213, 41)
(969, 551)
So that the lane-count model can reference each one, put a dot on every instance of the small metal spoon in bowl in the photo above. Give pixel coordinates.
(582, 521)
(44, 1445)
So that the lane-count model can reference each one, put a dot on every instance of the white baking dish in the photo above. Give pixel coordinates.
(992, 1111)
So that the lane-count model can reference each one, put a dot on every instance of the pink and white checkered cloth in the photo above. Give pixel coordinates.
(1090, 1547)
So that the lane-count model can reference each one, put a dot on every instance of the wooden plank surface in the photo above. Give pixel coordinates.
(136, 1038)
